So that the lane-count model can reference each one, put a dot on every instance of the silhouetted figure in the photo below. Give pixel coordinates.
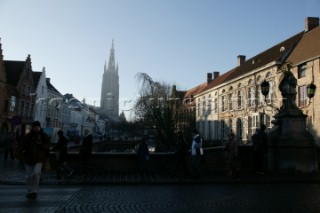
(34, 147)
(181, 155)
(61, 149)
(86, 150)
(9, 146)
(143, 155)
(231, 149)
(260, 143)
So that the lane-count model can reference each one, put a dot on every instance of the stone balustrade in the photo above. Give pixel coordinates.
(213, 160)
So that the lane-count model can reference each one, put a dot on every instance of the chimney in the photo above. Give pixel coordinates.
(241, 59)
(310, 23)
(216, 74)
(209, 77)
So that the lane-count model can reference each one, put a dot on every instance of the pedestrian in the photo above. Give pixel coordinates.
(34, 147)
(143, 155)
(196, 153)
(61, 149)
(86, 149)
(231, 149)
(260, 147)
(9, 146)
(181, 155)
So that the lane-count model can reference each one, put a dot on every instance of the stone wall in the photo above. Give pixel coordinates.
(213, 160)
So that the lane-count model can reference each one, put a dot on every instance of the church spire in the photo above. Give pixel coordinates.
(112, 63)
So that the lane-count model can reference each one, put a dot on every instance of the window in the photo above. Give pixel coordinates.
(302, 96)
(12, 104)
(269, 96)
(260, 96)
(302, 70)
(251, 97)
(239, 128)
(29, 91)
(209, 105)
(223, 102)
(254, 123)
(240, 98)
(215, 105)
(230, 101)
(24, 89)
(230, 126)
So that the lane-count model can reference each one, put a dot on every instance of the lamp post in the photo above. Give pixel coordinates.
(311, 90)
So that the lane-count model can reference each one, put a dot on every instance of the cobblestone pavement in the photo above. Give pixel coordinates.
(12, 172)
(209, 198)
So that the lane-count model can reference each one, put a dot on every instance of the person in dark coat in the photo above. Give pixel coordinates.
(143, 154)
(86, 149)
(61, 149)
(181, 155)
(260, 143)
(9, 146)
(34, 148)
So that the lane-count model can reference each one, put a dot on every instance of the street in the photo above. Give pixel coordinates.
(228, 197)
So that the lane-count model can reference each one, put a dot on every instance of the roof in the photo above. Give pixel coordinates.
(36, 76)
(13, 71)
(307, 48)
(276, 53)
(195, 90)
(51, 87)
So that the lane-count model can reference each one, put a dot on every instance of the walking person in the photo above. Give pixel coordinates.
(196, 153)
(34, 147)
(9, 146)
(231, 149)
(260, 147)
(181, 155)
(61, 149)
(86, 150)
(143, 155)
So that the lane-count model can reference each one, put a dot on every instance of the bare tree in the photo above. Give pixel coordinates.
(157, 109)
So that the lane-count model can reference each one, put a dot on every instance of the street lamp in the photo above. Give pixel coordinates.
(265, 88)
(311, 90)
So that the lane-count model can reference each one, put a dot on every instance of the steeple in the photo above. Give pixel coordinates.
(110, 87)
(112, 63)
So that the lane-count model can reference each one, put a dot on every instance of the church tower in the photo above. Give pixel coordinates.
(110, 88)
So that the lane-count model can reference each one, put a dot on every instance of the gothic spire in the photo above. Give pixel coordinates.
(112, 62)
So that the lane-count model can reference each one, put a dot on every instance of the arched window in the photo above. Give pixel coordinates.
(268, 75)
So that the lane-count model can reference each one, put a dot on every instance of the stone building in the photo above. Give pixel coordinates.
(233, 101)
(109, 103)
(19, 106)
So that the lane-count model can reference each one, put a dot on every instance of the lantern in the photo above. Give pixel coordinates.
(311, 90)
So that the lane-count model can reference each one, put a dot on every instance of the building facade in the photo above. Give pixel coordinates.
(233, 101)
(109, 103)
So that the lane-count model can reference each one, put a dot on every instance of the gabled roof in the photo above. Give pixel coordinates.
(51, 87)
(13, 71)
(307, 48)
(36, 77)
(277, 53)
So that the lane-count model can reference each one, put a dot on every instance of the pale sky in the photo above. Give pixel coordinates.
(175, 41)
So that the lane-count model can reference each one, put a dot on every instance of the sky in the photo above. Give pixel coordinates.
(173, 41)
